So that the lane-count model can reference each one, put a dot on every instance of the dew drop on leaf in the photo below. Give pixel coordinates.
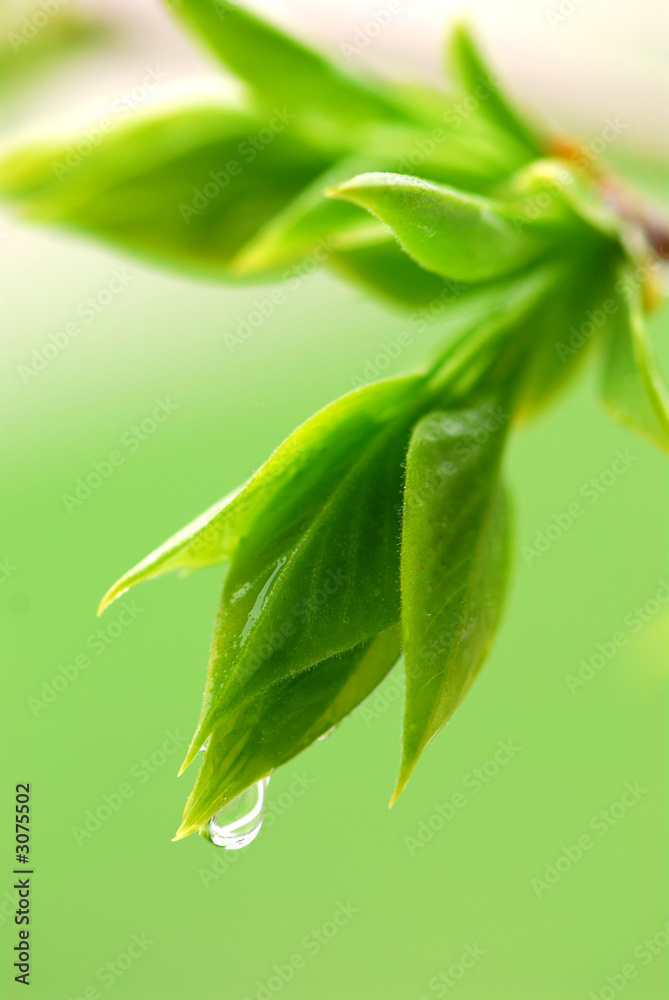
(238, 823)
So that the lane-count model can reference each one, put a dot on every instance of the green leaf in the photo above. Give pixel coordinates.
(477, 81)
(190, 185)
(317, 572)
(460, 236)
(563, 330)
(454, 564)
(283, 71)
(276, 500)
(311, 223)
(384, 268)
(633, 389)
(267, 729)
(549, 196)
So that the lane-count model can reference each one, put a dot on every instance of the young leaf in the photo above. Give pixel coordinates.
(477, 81)
(563, 330)
(186, 185)
(316, 574)
(309, 223)
(277, 499)
(633, 389)
(282, 70)
(454, 564)
(383, 267)
(267, 729)
(457, 235)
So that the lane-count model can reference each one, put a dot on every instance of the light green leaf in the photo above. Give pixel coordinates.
(190, 185)
(454, 564)
(550, 196)
(633, 389)
(477, 81)
(268, 728)
(311, 223)
(279, 497)
(284, 72)
(460, 236)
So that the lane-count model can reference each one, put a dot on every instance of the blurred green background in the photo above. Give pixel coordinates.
(216, 924)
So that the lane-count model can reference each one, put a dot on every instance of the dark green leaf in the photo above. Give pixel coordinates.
(318, 572)
(561, 332)
(268, 728)
(454, 564)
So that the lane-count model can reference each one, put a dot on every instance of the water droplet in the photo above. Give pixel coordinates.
(260, 601)
(326, 734)
(239, 821)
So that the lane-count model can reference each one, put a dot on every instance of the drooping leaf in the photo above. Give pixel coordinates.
(460, 236)
(190, 185)
(633, 389)
(283, 71)
(320, 572)
(471, 71)
(268, 728)
(283, 493)
(454, 564)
